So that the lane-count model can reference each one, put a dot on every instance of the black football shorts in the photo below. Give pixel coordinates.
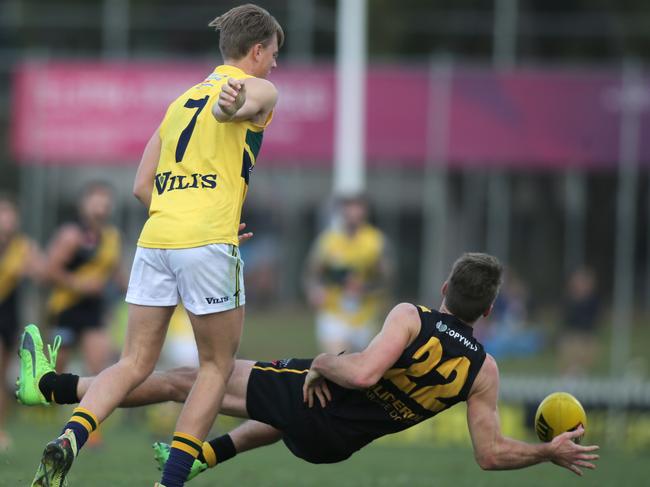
(274, 397)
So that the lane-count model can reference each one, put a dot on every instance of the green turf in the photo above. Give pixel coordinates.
(126, 460)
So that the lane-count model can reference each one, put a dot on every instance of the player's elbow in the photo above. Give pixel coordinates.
(364, 380)
(486, 461)
(140, 189)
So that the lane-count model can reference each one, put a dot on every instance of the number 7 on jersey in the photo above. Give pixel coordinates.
(186, 134)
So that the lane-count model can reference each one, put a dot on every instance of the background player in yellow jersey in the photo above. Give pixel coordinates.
(19, 258)
(82, 261)
(347, 272)
(193, 178)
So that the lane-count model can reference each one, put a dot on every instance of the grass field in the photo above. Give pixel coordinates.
(125, 458)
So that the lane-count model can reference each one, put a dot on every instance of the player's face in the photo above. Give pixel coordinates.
(97, 206)
(267, 57)
(8, 219)
(354, 214)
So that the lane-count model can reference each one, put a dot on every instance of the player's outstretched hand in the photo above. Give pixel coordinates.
(244, 237)
(315, 384)
(568, 454)
(232, 96)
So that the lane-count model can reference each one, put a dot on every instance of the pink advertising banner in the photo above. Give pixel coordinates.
(103, 113)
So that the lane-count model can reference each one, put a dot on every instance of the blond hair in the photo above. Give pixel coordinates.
(242, 27)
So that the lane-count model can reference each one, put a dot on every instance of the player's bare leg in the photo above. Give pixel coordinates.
(161, 386)
(217, 337)
(145, 335)
(252, 434)
(248, 436)
(144, 339)
(96, 350)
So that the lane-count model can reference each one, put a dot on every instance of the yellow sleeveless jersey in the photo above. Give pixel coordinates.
(100, 263)
(203, 171)
(345, 257)
(12, 262)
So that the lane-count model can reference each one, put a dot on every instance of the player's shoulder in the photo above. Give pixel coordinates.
(490, 369)
(486, 383)
(408, 314)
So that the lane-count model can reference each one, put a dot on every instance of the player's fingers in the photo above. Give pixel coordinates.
(579, 431)
(585, 464)
(245, 237)
(304, 392)
(235, 83)
(583, 456)
(326, 390)
(242, 226)
(229, 90)
(575, 470)
(225, 97)
(589, 448)
(321, 398)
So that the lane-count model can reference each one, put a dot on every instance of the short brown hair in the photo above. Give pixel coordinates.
(242, 27)
(473, 285)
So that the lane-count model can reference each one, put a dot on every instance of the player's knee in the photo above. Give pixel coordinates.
(221, 369)
(135, 369)
(181, 381)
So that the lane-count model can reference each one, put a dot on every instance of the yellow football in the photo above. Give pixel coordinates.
(557, 413)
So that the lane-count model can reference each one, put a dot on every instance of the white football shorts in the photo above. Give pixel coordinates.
(331, 328)
(208, 279)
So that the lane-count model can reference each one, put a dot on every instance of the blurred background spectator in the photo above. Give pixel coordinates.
(579, 329)
(19, 258)
(508, 332)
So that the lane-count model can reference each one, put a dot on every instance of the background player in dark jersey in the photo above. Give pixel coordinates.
(19, 258)
(422, 362)
(82, 259)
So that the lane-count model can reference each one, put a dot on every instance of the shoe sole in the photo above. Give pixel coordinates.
(53, 463)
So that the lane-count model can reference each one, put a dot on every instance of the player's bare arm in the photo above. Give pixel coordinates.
(363, 369)
(60, 253)
(493, 451)
(35, 266)
(250, 99)
(144, 177)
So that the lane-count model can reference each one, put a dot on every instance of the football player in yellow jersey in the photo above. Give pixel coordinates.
(347, 272)
(19, 258)
(193, 179)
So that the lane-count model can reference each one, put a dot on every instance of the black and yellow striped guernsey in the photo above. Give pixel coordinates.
(98, 261)
(12, 263)
(434, 373)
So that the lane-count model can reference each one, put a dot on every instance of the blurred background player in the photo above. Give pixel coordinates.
(82, 260)
(346, 277)
(582, 305)
(19, 258)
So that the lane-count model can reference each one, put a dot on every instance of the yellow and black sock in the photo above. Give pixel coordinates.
(184, 450)
(218, 450)
(82, 423)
